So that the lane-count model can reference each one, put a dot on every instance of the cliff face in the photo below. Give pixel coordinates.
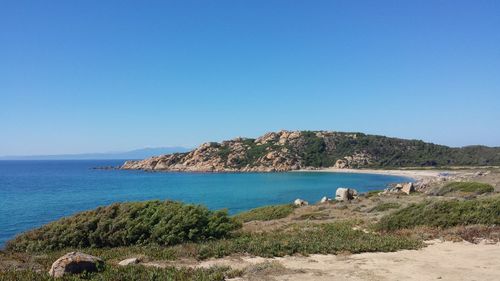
(293, 150)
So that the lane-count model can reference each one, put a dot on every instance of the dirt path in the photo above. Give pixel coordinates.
(438, 261)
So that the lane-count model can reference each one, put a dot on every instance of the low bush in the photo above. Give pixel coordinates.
(139, 273)
(372, 193)
(124, 224)
(313, 216)
(328, 238)
(385, 206)
(266, 213)
(444, 214)
(305, 239)
(469, 187)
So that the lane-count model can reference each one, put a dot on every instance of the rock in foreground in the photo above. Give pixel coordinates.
(129, 261)
(74, 263)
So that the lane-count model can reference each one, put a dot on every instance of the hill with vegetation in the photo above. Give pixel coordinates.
(294, 150)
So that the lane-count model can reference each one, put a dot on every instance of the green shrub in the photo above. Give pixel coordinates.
(313, 216)
(224, 152)
(314, 151)
(124, 224)
(386, 206)
(305, 239)
(265, 213)
(329, 238)
(372, 193)
(471, 187)
(139, 273)
(444, 214)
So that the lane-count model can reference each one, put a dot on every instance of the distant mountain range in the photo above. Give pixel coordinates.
(127, 155)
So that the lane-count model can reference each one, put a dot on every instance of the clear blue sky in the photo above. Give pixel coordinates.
(83, 76)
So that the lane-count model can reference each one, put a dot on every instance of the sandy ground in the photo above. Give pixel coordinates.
(438, 261)
(414, 174)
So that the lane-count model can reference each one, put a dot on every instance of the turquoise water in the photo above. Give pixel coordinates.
(33, 193)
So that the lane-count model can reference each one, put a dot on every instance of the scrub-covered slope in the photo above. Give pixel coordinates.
(293, 150)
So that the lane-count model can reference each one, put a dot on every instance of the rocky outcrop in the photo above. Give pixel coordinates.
(341, 164)
(292, 150)
(408, 188)
(299, 202)
(325, 200)
(354, 161)
(273, 152)
(74, 263)
(345, 194)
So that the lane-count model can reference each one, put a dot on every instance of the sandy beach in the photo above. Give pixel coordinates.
(414, 174)
(487, 174)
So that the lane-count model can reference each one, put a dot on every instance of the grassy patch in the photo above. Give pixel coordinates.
(470, 233)
(124, 224)
(444, 214)
(139, 273)
(385, 206)
(329, 238)
(469, 187)
(372, 193)
(313, 216)
(265, 213)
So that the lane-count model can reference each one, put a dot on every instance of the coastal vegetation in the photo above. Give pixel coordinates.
(136, 273)
(372, 193)
(467, 187)
(326, 238)
(443, 214)
(123, 224)
(266, 213)
(384, 206)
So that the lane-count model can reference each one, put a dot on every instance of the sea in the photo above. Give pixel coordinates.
(33, 193)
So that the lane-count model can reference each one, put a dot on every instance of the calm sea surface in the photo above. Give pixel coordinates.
(33, 193)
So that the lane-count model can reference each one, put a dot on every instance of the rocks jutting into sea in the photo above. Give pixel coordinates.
(293, 150)
(273, 152)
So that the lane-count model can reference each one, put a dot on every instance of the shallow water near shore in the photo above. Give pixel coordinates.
(33, 193)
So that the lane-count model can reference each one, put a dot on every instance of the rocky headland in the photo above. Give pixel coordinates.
(294, 150)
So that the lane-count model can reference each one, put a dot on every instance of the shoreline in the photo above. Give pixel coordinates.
(417, 175)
